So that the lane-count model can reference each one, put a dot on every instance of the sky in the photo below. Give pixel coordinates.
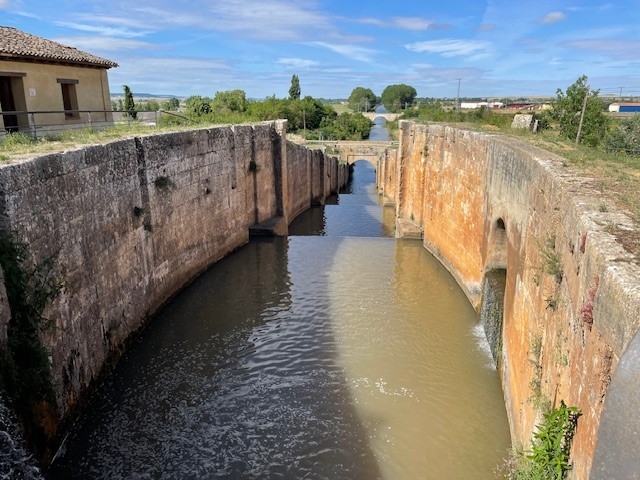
(486, 48)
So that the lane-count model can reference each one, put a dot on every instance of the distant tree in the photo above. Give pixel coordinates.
(396, 97)
(362, 99)
(148, 105)
(294, 90)
(172, 104)
(196, 106)
(567, 112)
(346, 126)
(230, 100)
(129, 104)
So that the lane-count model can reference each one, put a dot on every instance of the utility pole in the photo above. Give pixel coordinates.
(458, 96)
(304, 124)
(584, 107)
(620, 98)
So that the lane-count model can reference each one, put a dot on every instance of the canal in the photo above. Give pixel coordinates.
(337, 352)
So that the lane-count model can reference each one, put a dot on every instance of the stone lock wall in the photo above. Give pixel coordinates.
(133, 221)
(572, 295)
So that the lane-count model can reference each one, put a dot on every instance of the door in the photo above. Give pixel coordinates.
(7, 104)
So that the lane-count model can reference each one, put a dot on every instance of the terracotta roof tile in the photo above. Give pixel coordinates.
(17, 44)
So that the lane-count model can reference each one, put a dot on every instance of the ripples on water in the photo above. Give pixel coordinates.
(309, 357)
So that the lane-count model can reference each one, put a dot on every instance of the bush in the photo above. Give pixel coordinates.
(624, 136)
(550, 448)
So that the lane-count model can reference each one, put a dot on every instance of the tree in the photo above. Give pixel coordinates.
(196, 106)
(172, 104)
(129, 104)
(396, 97)
(230, 100)
(567, 111)
(347, 126)
(294, 90)
(362, 99)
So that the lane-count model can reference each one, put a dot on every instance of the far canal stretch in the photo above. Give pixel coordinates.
(336, 353)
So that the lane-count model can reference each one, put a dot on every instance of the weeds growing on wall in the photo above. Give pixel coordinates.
(25, 373)
(548, 458)
(551, 259)
(537, 399)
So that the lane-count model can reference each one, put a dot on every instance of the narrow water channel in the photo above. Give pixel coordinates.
(336, 353)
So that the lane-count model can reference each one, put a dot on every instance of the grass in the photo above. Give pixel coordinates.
(616, 175)
(16, 145)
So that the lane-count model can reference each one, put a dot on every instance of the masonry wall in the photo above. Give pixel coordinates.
(133, 221)
(572, 297)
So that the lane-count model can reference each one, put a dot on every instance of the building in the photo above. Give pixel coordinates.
(625, 107)
(47, 86)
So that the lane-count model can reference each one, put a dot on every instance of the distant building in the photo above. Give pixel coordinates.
(472, 105)
(625, 107)
(39, 75)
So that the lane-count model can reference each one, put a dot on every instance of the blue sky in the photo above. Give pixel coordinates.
(495, 47)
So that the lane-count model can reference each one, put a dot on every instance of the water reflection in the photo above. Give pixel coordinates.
(357, 212)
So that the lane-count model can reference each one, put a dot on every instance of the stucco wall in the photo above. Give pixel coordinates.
(572, 298)
(38, 90)
(132, 221)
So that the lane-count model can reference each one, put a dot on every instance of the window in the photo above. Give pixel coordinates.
(69, 97)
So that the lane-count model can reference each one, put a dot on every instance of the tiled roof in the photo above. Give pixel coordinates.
(19, 45)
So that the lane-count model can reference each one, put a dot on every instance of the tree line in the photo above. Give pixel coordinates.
(577, 113)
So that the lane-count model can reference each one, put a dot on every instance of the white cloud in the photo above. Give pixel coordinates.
(354, 52)
(411, 23)
(553, 17)
(268, 19)
(403, 23)
(4, 3)
(297, 62)
(617, 48)
(103, 30)
(450, 47)
(125, 21)
(104, 44)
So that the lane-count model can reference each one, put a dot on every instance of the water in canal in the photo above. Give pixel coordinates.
(336, 353)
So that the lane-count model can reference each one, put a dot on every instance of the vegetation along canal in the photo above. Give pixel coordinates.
(338, 352)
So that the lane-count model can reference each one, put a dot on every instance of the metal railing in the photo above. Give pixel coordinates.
(41, 123)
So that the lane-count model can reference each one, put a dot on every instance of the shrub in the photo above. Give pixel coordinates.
(550, 448)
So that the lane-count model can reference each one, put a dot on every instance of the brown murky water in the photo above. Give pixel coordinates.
(336, 353)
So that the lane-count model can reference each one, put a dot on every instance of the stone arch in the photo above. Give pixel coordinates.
(372, 159)
(497, 246)
(493, 287)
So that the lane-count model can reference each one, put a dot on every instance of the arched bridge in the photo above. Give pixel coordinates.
(390, 117)
(352, 151)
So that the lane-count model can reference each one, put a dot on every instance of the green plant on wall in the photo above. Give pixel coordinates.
(549, 457)
(552, 442)
(537, 399)
(551, 259)
(25, 373)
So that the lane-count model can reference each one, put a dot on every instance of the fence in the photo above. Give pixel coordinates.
(42, 123)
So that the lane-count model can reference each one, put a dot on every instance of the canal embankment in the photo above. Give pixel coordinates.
(129, 223)
(485, 203)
